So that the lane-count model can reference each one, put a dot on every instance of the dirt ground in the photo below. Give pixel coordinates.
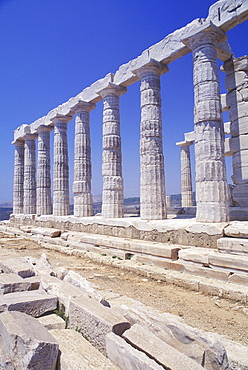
(208, 313)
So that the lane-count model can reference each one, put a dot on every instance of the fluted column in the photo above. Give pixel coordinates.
(82, 162)
(152, 180)
(211, 185)
(18, 177)
(186, 179)
(237, 101)
(112, 194)
(60, 167)
(44, 204)
(29, 184)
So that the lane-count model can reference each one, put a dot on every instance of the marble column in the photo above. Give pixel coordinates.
(29, 183)
(152, 179)
(236, 70)
(186, 179)
(44, 204)
(112, 194)
(82, 162)
(18, 177)
(60, 167)
(212, 195)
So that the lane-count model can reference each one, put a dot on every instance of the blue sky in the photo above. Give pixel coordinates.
(53, 49)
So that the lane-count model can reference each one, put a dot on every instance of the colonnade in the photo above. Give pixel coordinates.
(31, 197)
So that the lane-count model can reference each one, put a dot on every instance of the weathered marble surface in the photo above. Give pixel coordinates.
(186, 179)
(212, 194)
(29, 181)
(60, 168)
(237, 103)
(82, 162)
(28, 344)
(18, 192)
(152, 178)
(112, 194)
(44, 201)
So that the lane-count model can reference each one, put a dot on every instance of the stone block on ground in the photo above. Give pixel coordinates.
(95, 320)
(45, 231)
(83, 284)
(41, 266)
(77, 353)
(195, 255)
(62, 290)
(127, 357)
(33, 303)
(17, 265)
(201, 346)
(52, 321)
(144, 340)
(34, 282)
(10, 283)
(28, 343)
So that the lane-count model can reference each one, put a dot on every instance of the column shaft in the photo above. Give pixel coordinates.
(60, 169)
(82, 163)
(186, 179)
(18, 177)
(211, 185)
(112, 195)
(29, 184)
(237, 101)
(152, 180)
(44, 204)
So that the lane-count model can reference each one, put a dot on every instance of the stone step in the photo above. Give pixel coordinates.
(237, 229)
(33, 303)
(28, 344)
(233, 245)
(77, 353)
(95, 320)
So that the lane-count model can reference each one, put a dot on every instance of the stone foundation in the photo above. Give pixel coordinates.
(174, 231)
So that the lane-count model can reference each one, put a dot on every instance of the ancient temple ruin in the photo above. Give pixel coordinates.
(206, 39)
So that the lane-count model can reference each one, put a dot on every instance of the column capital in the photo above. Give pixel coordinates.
(18, 142)
(43, 128)
(30, 136)
(84, 106)
(112, 89)
(184, 143)
(61, 119)
(151, 66)
(206, 34)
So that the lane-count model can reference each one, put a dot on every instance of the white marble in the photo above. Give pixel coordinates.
(186, 178)
(29, 183)
(152, 179)
(60, 168)
(112, 194)
(44, 203)
(212, 192)
(237, 101)
(82, 162)
(18, 177)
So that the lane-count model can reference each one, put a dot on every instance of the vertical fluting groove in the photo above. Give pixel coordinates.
(18, 192)
(82, 163)
(152, 179)
(211, 186)
(60, 169)
(44, 204)
(29, 183)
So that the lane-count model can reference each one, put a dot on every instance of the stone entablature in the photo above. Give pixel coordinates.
(207, 34)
